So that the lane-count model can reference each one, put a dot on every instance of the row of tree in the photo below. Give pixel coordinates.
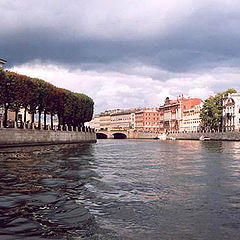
(37, 96)
(212, 111)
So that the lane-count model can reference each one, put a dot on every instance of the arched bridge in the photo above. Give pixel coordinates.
(112, 134)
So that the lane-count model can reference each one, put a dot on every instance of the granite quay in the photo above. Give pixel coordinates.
(215, 136)
(15, 137)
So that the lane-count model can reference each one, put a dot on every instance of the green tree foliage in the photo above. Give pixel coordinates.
(37, 96)
(212, 110)
(18, 93)
(9, 89)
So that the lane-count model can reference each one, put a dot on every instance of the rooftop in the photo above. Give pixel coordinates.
(2, 61)
(123, 112)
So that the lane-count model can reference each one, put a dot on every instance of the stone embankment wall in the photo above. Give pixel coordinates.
(218, 136)
(141, 135)
(28, 137)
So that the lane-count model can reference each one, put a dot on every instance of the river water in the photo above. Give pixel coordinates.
(121, 189)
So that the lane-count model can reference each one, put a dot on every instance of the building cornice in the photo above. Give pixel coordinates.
(3, 61)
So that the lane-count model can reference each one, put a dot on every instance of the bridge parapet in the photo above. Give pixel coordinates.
(114, 134)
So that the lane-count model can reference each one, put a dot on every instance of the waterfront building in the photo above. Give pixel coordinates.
(171, 113)
(122, 120)
(105, 121)
(116, 119)
(138, 126)
(95, 122)
(167, 118)
(231, 112)
(2, 62)
(147, 120)
(191, 119)
(133, 119)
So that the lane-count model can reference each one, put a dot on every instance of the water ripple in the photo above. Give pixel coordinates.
(121, 189)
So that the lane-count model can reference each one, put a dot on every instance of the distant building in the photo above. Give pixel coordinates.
(231, 112)
(172, 112)
(105, 121)
(138, 123)
(2, 62)
(169, 115)
(147, 120)
(116, 119)
(12, 116)
(95, 122)
(122, 120)
(191, 119)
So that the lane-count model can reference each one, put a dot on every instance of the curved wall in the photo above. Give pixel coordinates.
(26, 137)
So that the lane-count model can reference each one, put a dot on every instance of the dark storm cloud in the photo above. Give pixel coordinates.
(206, 38)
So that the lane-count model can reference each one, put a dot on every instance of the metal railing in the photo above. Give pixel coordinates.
(33, 126)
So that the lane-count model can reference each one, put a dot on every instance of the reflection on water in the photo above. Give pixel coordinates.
(39, 187)
(121, 189)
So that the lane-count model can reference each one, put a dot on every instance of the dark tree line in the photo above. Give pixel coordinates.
(37, 96)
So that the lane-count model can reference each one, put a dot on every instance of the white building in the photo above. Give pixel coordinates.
(112, 120)
(2, 62)
(95, 123)
(191, 119)
(231, 112)
(123, 120)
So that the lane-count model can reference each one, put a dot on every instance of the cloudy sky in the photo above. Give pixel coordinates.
(128, 53)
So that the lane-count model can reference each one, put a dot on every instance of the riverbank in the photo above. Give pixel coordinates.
(218, 136)
(28, 137)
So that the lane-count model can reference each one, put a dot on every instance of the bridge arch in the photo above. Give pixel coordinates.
(101, 136)
(119, 136)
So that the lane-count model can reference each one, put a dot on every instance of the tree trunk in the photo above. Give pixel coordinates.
(59, 121)
(16, 115)
(45, 120)
(39, 119)
(32, 118)
(52, 121)
(63, 123)
(32, 121)
(25, 115)
(5, 116)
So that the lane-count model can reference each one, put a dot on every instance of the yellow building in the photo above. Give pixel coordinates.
(123, 120)
(95, 123)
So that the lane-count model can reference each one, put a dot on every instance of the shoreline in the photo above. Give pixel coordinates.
(28, 137)
(216, 136)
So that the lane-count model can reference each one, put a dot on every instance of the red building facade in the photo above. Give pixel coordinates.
(147, 120)
(171, 113)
